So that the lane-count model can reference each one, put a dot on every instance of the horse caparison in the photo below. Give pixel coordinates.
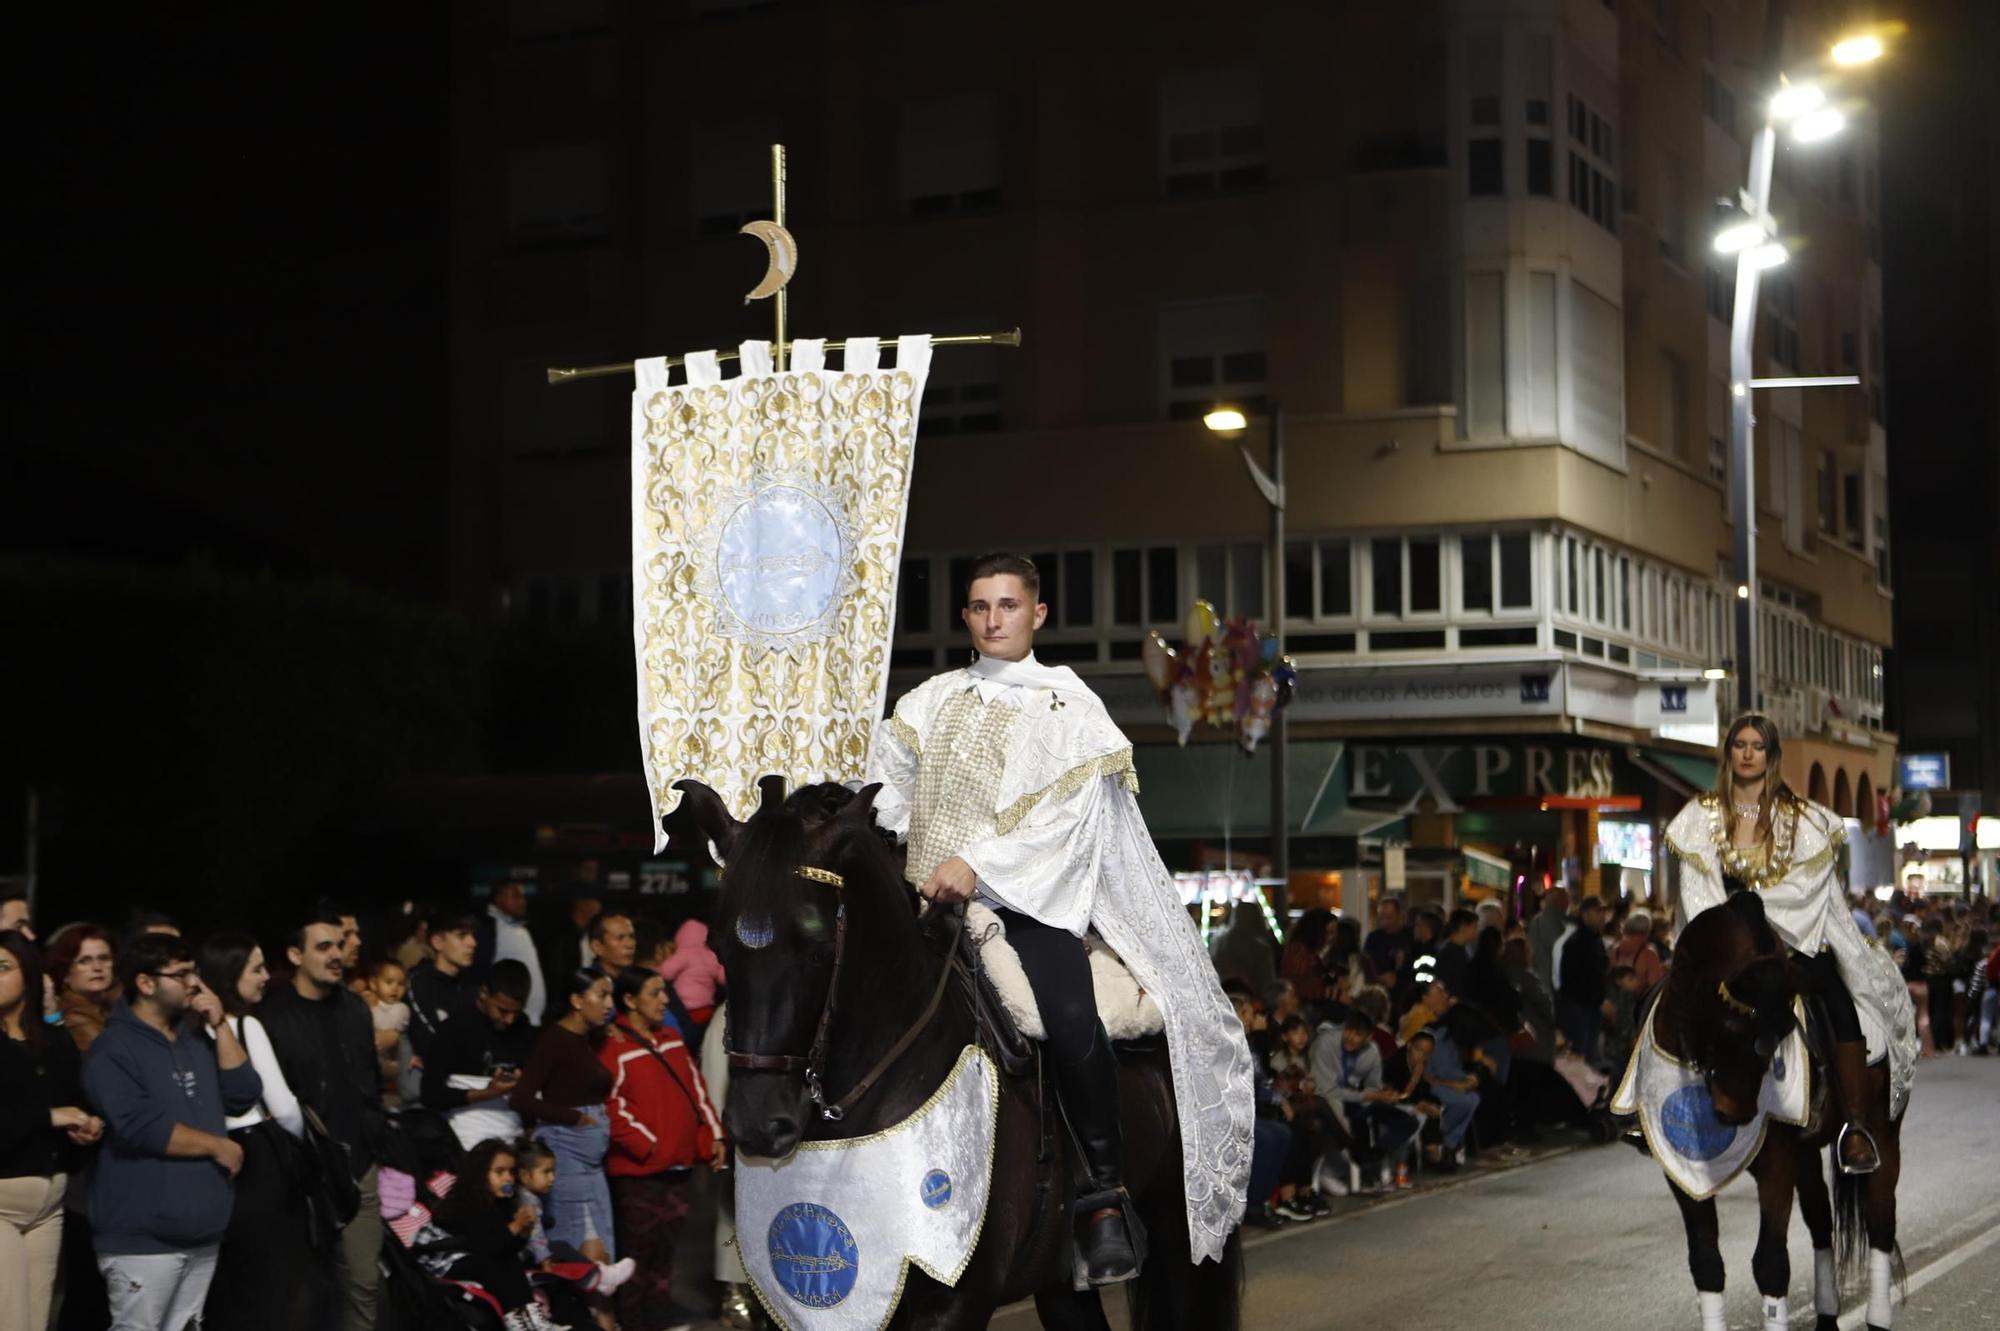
(1724, 1006)
(775, 932)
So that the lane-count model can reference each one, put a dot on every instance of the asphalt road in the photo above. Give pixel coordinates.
(1590, 1237)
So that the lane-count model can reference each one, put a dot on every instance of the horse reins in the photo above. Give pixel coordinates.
(815, 1057)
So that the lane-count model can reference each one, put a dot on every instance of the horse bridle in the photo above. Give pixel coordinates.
(815, 1056)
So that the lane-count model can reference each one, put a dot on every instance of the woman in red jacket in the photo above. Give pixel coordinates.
(662, 1125)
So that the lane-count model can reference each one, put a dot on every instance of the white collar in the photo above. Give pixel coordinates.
(992, 677)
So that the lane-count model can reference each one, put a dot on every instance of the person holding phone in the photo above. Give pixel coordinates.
(475, 1061)
(165, 1075)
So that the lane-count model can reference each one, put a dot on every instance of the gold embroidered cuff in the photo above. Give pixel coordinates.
(906, 734)
(1117, 765)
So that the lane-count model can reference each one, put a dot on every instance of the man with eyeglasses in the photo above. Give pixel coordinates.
(164, 1074)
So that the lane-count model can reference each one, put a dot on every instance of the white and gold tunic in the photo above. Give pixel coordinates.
(1797, 873)
(1016, 768)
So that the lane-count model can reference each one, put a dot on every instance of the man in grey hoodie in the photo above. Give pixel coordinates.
(164, 1074)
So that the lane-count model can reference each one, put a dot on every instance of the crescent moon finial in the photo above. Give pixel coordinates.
(783, 253)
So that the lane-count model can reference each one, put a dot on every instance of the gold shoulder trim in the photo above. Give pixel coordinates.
(1117, 765)
(1673, 844)
(906, 734)
(1709, 800)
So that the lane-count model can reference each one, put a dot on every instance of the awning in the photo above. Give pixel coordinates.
(1688, 773)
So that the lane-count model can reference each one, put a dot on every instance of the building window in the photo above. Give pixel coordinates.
(1485, 172)
(1485, 356)
(1231, 578)
(1385, 559)
(1336, 580)
(729, 177)
(1213, 356)
(1542, 335)
(1406, 577)
(1426, 576)
(1597, 358)
(559, 197)
(1673, 208)
(1475, 572)
(1145, 586)
(1719, 289)
(1718, 431)
(1068, 587)
(1593, 180)
(951, 156)
(1829, 516)
(1495, 572)
(1212, 132)
(1850, 486)
(964, 392)
(1540, 150)
(1572, 582)
(1673, 405)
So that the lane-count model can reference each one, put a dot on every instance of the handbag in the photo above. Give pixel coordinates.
(331, 1194)
(316, 1167)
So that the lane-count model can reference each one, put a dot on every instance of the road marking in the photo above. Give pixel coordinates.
(1943, 1266)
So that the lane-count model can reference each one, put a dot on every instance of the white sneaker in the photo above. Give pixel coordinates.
(613, 1274)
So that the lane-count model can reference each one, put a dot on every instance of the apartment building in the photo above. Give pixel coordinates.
(1463, 246)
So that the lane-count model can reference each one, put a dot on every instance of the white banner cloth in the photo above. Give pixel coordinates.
(1699, 1152)
(767, 534)
(829, 1233)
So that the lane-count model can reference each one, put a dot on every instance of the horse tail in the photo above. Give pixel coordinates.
(1850, 1226)
(1173, 1292)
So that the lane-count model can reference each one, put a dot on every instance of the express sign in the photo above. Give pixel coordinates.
(1448, 773)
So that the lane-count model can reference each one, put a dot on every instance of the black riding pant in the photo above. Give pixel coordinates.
(1058, 968)
(1841, 1018)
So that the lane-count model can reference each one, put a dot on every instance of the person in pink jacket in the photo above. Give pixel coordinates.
(695, 974)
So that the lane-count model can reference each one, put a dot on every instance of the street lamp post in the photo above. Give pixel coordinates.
(1752, 238)
(1230, 423)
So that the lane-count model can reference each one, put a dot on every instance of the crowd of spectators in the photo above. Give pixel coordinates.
(1447, 1035)
(332, 1137)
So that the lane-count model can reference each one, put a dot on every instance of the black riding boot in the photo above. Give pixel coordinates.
(1088, 1092)
(1854, 1149)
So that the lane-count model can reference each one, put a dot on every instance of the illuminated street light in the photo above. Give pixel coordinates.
(1796, 99)
(1225, 420)
(1819, 125)
(1858, 50)
(1767, 256)
(1740, 236)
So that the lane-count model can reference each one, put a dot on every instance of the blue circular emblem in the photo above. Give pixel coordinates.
(937, 1189)
(1778, 1067)
(1691, 1127)
(813, 1254)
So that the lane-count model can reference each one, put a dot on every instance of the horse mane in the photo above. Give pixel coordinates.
(1734, 944)
(762, 882)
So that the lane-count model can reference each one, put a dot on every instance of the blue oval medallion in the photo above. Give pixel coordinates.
(813, 1254)
(1778, 1066)
(1691, 1127)
(937, 1189)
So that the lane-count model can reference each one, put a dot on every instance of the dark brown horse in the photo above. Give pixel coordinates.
(781, 938)
(1726, 1006)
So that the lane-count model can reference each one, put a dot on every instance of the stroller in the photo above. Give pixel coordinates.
(420, 1292)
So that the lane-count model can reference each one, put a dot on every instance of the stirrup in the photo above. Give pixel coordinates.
(1840, 1150)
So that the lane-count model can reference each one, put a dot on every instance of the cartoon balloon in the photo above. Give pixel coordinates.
(1200, 621)
(1285, 676)
(1256, 722)
(1181, 707)
(1161, 661)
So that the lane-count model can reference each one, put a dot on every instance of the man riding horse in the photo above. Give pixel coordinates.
(1014, 787)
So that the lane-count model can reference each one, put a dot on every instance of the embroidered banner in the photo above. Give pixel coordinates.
(827, 1234)
(767, 533)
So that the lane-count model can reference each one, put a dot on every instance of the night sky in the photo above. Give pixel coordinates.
(229, 314)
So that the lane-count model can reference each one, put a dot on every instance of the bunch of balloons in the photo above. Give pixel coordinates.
(1223, 674)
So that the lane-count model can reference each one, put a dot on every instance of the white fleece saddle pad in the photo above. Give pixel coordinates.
(1127, 1011)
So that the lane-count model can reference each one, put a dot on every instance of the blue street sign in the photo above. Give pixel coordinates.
(1924, 771)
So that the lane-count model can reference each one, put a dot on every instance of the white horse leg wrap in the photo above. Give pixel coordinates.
(1881, 1288)
(1826, 1285)
(1777, 1314)
(1713, 1317)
